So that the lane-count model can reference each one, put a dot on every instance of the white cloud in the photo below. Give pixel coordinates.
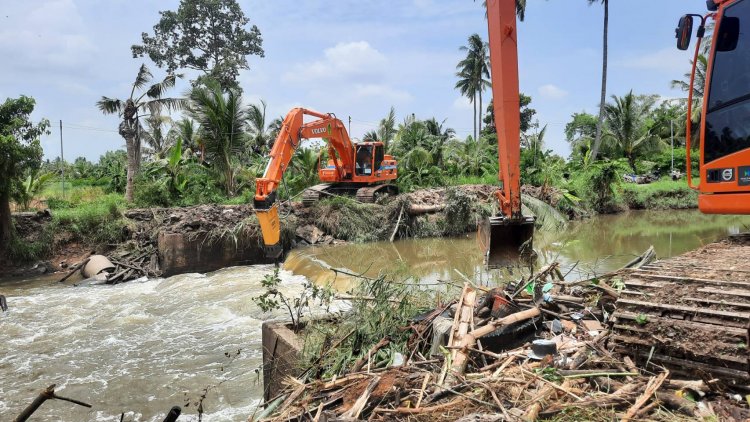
(381, 91)
(38, 36)
(667, 60)
(552, 92)
(351, 60)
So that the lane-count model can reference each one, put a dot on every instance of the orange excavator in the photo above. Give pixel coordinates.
(724, 186)
(362, 169)
(509, 233)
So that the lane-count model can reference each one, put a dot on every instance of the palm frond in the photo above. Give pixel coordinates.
(110, 105)
(547, 217)
(141, 79)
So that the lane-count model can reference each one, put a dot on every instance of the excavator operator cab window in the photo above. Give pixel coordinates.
(728, 108)
(379, 156)
(363, 165)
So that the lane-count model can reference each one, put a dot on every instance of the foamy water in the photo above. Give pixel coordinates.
(138, 348)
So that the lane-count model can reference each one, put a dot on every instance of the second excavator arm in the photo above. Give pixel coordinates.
(505, 235)
(293, 131)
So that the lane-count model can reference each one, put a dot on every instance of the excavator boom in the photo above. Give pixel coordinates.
(507, 235)
(354, 167)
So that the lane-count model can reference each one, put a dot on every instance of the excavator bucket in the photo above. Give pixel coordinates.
(270, 228)
(506, 242)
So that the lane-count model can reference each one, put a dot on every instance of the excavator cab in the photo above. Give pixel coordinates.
(364, 160)
(724, 170)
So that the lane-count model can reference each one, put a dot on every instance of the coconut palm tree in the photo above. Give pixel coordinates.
(520, 9)
(473, 73)
(144, 100)
(223, 124)
(187, 130)
(628, 125)
(387, 128)
(698, 86)
(603, 97)
(260, 134)
(440, 136)
(371, 135)
(158, 140)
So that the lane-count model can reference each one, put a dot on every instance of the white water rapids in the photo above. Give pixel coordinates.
(138, 347)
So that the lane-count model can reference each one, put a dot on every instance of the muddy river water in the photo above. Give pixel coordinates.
(145, 346)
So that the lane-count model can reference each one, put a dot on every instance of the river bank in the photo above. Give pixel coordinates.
(208, 237)
(59, 334)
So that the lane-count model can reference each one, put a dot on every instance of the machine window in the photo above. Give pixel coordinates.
(728, 113)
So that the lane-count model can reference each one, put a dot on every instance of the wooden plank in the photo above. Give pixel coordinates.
(692, 310)
(739, 293)
(717, 302)
(699, 280)
(681, 365)
(730, 331)
(621, 341)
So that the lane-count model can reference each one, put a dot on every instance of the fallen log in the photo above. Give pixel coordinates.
(468, 341)
(415, 210)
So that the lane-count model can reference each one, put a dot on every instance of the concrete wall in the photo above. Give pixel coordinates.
(282, 349)
(183, 253)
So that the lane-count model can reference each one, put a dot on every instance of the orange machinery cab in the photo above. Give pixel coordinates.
(372, 165)
(725, 146)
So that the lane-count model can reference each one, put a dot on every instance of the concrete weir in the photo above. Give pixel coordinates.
(197, 252)
(282, 349)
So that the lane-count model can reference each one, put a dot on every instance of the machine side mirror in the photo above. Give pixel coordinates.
(684, 31)
(729, 34)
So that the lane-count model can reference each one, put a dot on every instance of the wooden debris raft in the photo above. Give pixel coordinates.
(488, 366)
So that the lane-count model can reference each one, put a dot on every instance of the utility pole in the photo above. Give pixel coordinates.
(350, 125)
(62, 160)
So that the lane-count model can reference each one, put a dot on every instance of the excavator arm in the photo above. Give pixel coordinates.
(509, 233)
(293, 131)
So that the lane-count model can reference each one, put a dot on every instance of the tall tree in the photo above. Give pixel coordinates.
(158, 140)
(387, 128)
(144, 100)
(629, 125)
(580, 133)
(440, 135)
(603, 98)
(473, 73)
(210, 36)
(526, 114)
(223, 121)
(698, 86)
(260, 134)
(186, 130)
(20, 154)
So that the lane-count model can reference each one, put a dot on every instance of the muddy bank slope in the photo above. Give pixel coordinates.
(207, 237)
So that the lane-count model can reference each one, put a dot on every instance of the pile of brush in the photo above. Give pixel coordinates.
(533, 350)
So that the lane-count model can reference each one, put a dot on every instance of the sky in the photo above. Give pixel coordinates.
(354, 58)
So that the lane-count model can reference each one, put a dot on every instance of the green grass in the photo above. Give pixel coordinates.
(95, 224)
(661, 194)
(487, 179)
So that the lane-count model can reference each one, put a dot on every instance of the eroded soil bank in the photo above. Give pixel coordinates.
(208, 237)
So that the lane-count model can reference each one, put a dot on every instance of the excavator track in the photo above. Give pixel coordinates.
(690, 313)
(312, 194)
(370, 193)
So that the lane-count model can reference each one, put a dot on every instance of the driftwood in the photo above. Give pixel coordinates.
(502, 379)
(46, 394)
(415, 210)
(3, 303)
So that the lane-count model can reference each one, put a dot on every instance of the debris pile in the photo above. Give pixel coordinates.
(535, 349)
